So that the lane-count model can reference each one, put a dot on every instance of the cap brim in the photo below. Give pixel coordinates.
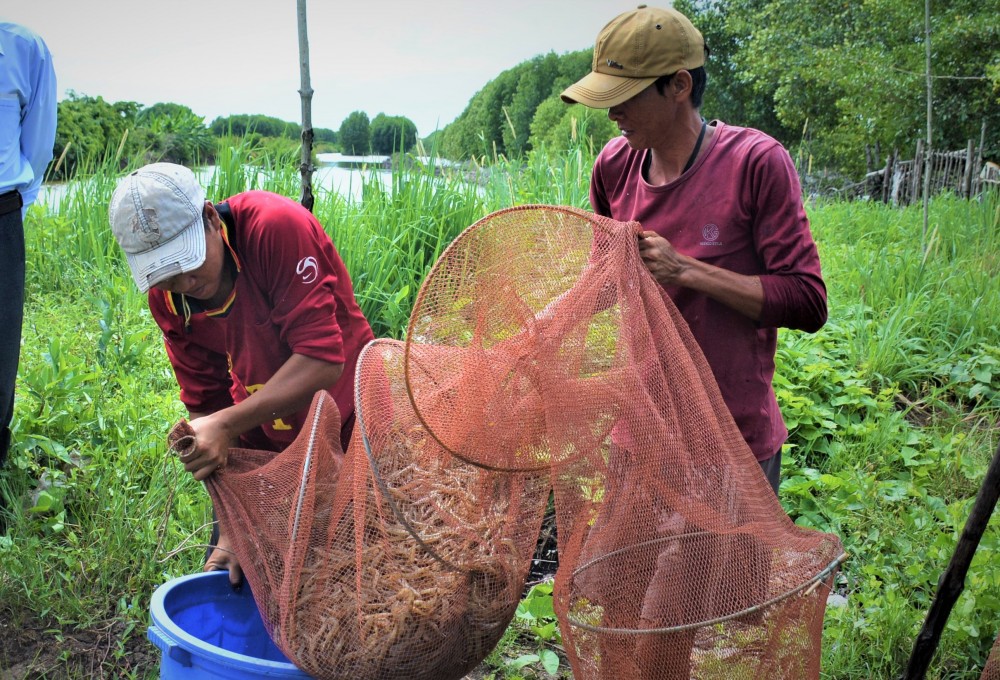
(183, 253)
(602, 91)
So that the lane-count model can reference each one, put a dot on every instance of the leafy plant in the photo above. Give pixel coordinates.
(538, 623)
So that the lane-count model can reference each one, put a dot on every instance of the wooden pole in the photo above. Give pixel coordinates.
(890, 176)
(952, 581)
(306, 92)
(930, 108)
(976, 181)
(966, 190)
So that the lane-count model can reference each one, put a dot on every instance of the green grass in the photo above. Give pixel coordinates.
(892, 406)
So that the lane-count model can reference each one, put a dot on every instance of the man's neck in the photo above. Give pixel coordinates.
(668, 159)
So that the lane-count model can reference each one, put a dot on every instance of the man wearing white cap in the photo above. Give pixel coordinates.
(726, 233)
(256, 307)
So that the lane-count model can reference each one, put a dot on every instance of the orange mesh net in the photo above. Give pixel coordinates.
(991, 671)
(540, 355)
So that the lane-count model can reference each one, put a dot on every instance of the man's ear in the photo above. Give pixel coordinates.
(211, 217)
(682, 83)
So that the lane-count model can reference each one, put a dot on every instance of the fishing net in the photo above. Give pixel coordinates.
(991, 671)
(408, 564)
(540, 356)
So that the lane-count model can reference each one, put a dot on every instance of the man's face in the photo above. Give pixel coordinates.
(204, 282)
(644, 118)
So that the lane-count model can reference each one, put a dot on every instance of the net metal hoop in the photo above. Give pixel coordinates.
(407, 358)
(809, 584)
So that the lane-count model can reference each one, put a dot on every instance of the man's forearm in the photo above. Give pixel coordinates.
(289, 390)
(737, 291)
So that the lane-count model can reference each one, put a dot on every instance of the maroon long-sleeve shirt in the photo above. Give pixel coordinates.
(739, 207)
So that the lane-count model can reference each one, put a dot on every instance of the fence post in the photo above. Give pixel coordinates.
(918, 165)
(892, 196)
(967, 177)
(887, 179)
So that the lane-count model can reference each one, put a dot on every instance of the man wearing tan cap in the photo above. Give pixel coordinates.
(726, 233)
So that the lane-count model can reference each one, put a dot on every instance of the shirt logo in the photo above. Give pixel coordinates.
(710, 234)
(308, 269)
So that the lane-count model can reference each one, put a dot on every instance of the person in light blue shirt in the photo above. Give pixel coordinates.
(27, 134)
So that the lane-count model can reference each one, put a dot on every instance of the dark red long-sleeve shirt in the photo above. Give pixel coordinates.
(739, 207)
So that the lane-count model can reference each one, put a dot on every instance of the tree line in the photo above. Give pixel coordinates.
(827, 79)
(91, 130)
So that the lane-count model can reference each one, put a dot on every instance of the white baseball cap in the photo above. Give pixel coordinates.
(156, 216)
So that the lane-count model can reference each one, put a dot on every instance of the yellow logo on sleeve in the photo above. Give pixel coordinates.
(277, 424)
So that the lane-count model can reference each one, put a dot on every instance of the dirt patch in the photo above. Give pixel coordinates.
(31, 649)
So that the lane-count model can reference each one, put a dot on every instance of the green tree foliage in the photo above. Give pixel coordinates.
(479, 130)
(390, 134)
(177, 134)
(92, 131)
(266, 126)
(499, 118)
(852, 73)
(90, 128)
(827, 79)
(325, 135)
(243, 124)
(730, 95)
(355, 134)
(560, 127)
(533, 86)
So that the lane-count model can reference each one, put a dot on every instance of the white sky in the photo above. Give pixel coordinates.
(422, 59)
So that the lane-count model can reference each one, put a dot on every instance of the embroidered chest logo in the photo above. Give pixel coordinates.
(308, 269)
(710, 235)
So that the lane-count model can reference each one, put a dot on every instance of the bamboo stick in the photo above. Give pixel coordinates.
(952, 581)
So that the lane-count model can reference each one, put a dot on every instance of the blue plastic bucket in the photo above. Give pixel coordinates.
(205, 629)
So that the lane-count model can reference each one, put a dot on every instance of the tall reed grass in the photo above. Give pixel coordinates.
(892, 406)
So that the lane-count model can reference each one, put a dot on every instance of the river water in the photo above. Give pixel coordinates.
(334, 172)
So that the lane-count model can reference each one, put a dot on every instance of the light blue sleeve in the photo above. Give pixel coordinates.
(38, 122)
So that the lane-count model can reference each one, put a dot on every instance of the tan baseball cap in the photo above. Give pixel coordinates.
(632, 51)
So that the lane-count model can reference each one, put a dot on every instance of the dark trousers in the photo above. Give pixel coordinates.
(11, 316)
(772, 470)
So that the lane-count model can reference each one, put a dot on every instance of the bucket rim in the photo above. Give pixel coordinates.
(190, 643)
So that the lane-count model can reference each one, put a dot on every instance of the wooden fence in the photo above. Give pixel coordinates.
(901, 182)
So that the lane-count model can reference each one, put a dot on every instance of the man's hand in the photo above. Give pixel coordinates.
(224, 559)
(212, 441)
(663, 262)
